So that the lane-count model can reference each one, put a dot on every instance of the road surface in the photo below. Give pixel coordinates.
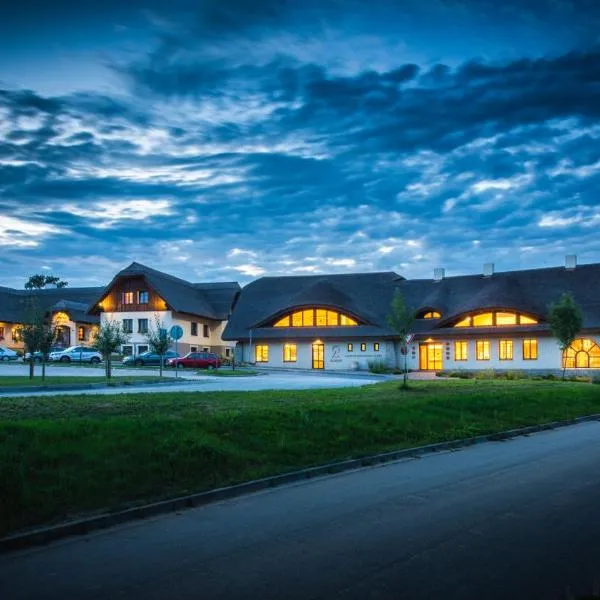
(517, 519)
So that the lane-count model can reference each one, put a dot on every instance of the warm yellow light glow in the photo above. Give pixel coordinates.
(530, 349)
(482, 350)
(319, 317)
(495, 319)
(432, 314)
(505, 350)
(582, 354)
(461, 350)
(61, 318)
(262, 353)
(289, 353)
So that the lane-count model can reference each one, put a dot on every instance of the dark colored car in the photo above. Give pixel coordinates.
(196, 360)
(148, 358)
(37, 356)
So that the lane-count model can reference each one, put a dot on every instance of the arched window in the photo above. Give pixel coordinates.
(430, 314)
(582, 354)
(498, 318)
(315, 317)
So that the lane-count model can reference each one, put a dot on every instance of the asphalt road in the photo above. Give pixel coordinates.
(505, 520)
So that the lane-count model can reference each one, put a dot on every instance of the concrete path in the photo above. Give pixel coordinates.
(517, 519)
(208, 383)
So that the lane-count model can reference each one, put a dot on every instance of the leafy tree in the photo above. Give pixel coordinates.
(48, 335)
(109, 338)
(400, 320)
(565, 322)
(159, 340)
(30, 330)
(39, 282)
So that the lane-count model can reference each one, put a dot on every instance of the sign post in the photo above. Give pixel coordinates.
(176, 333)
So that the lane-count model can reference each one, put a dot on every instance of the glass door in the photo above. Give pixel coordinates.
(318, 355)
(430, 357)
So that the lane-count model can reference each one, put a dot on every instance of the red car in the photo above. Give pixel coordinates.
(196, 360)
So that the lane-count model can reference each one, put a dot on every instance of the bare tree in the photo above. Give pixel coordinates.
(108, 340)
(159, 340)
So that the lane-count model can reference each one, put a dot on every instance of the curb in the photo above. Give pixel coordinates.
(69, 387)
(46, 535)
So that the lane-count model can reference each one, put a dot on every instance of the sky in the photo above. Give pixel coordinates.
(222, 140)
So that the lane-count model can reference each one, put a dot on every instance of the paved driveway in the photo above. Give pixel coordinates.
(517, 519)
(205, 383)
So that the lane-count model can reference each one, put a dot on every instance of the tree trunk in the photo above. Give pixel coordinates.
(31, 365)
(405, 382)
(162, 361)
(43, 368)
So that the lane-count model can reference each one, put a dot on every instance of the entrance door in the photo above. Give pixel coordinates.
(318, 355)
(63, 336)
(430, 357)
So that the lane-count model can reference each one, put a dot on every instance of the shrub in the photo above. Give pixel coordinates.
(377, 366)
(485, 374)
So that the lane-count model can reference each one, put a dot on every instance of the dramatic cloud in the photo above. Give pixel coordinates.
(231, 141)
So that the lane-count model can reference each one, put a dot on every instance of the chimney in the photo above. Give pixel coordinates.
(439, 274)
(488, 269)
(570, 262)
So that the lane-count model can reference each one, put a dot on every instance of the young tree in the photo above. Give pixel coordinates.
(400, 320)
(30, 331)
(159, 340)
(565, 322)
(39, 282)
(109, 338)
(47, 338)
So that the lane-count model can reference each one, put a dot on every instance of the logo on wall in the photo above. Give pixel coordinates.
(336, 354)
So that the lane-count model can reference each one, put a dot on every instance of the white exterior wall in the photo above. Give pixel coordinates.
(169, 318)
(336, 354)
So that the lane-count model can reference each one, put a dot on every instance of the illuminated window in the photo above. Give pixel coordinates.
(430, 314)
(483, 320)
(289, 353)
(461, 350)
(15, 333)
(505, 348)
(506, 318)
(127, 297)
(376, 346)
(319, 317)
(350, 347)
(363, 347)
(80, 333)
(530, 349)
(142, 297)
(483, 350)
(582, 354)
(1, 333)
(262, 353)
(495, 319)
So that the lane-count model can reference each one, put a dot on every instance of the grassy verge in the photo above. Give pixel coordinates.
(67, 455)
(228, 373)
(24, 381)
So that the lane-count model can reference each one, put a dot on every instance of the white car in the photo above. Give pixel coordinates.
(76, 354)
(8, 354)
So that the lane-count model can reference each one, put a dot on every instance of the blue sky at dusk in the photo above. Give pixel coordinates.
(223, 140)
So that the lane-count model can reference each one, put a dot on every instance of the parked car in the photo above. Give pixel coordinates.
(196, 360)
(7, 354)
(148, 358)
(76, 354)
(37, 356)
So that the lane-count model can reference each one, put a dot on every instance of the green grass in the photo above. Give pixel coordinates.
(228, 372)
(24, 381)
(64, 456)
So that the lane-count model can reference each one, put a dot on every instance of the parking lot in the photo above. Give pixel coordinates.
(195, 382)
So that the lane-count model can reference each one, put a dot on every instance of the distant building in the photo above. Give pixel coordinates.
(67, 307)
(489, 320)
(138, 295)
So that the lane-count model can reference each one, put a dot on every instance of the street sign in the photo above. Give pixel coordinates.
(409, 338)
(176, 332)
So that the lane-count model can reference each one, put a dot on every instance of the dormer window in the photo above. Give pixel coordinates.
(142, 297)
(495, 319)
(128, 298)
(430, 314)
(315, 317)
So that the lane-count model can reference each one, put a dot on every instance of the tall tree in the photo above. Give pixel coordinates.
(400, 320)
(565, 321)
(39, 282)
(108, 340)
(159, 340)
(30, 331)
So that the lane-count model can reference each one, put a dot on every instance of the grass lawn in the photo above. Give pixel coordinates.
(24, 381)
(228, 372)
(64, 456)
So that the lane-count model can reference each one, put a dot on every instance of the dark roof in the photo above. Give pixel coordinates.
(73, 301)
(209, 300)
(368, 296)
